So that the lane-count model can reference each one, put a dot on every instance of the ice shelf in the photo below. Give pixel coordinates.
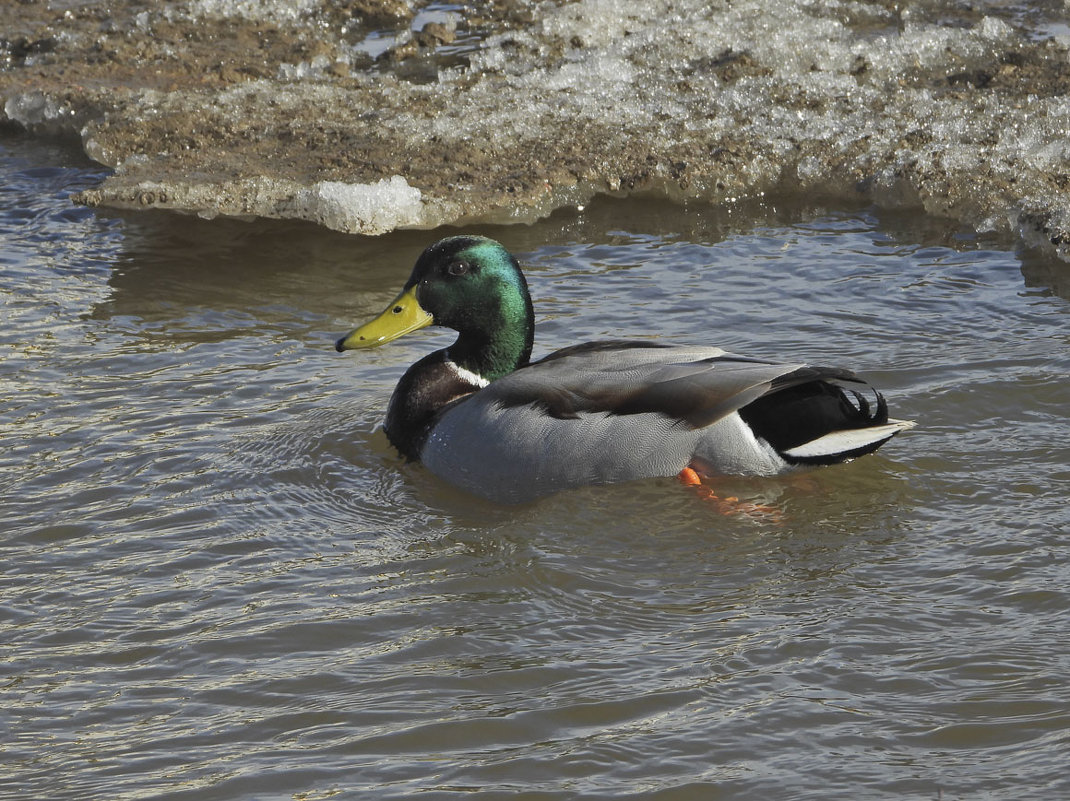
(505, 111)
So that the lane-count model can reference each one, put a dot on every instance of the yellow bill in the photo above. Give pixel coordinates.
(402, 316)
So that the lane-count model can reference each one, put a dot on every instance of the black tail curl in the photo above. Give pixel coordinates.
(831, 400)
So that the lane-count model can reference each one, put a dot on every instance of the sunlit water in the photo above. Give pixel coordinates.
(219, 581)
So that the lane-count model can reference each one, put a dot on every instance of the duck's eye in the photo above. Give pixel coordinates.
(458, 268)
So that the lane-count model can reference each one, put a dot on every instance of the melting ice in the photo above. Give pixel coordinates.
(352, 121)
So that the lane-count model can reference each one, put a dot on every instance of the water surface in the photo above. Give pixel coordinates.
(220, 582)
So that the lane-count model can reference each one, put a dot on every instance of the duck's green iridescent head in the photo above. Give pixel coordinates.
(474, 286)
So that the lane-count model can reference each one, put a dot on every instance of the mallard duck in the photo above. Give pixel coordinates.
(482, 416)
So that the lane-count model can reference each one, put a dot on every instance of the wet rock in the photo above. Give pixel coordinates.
(435, 33)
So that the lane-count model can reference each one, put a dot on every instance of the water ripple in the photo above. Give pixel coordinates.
(220, 580)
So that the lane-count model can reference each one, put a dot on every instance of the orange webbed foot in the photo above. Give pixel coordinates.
(730, 504)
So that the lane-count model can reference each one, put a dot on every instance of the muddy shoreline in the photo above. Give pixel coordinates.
(374, 115)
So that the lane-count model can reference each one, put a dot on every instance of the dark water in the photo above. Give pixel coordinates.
(219, 582)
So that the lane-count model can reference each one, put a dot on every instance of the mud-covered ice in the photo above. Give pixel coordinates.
(377, 114)
(370, 208)
(255, 10)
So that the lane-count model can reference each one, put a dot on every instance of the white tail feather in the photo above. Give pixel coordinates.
(846, 441)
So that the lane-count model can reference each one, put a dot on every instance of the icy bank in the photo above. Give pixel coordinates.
(411, 114)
